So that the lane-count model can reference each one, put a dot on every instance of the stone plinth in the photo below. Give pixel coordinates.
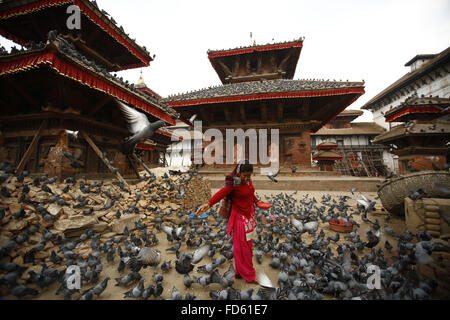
(423, 215)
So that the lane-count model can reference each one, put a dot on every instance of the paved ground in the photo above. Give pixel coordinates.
(173, 279)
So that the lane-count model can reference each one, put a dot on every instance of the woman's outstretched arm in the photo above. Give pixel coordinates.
(219, 195)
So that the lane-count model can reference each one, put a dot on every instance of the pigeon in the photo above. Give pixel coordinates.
(269, 291)
(183, 264)
(372, 239)
(128, 279)
(366, 203)
(46, 188)
(176, 295)
(174, 233)
(175, 247)
(297, 224)
(165, 267)
(21, 291)
(137, 291)
(272, 176)
(388, 246)
(199, 253)
(98, 289)
(424, 249)
(192, 119)
(417, 194)
(148, 292)
(187, 281)
(146, 257)
(139, 126)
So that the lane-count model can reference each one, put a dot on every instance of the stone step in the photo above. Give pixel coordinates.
(307, 183)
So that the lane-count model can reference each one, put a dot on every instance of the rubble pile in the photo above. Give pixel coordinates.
(38, 216)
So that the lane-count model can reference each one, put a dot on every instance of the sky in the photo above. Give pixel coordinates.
(353, 40)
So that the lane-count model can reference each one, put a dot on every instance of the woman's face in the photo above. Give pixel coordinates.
(245, 177)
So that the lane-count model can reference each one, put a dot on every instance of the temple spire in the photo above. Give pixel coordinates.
(141, 79)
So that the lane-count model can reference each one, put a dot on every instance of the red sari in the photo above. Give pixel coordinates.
(242, 222)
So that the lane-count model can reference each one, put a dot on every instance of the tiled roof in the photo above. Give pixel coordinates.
(261, 87)
(437, 127)
(326, 154)
(357, 128)
(440, 59)
(257, 47)
(69, 51)
(420, 102)
(11, 9)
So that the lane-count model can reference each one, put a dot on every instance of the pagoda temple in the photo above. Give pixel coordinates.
(258, 92)
(57, 95)
(326, 155)
(422, 138)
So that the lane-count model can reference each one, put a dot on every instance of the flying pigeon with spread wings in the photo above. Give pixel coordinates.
(139, 126)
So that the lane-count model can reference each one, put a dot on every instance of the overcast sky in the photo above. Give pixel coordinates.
(345, 39)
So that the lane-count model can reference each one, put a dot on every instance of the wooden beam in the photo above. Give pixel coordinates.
(24, 94)
(130, 161)
(139, 160)
(225, 68)
(242, 112)
(282, 65)
(81, 44)
(100, 155)
(32, 147)
(100, 104)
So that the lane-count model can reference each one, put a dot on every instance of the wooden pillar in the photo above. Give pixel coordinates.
(264, 111)
(236, 66)
(280, 111)
(242, 112)
(227, 113)
(259, 65)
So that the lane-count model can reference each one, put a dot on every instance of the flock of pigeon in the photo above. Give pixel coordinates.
(295, 244)
(255, 87)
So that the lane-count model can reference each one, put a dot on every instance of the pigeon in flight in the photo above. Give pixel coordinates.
(272, 176)
(191, 119)
(139, 126)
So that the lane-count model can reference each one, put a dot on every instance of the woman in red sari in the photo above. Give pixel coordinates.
(242, 219)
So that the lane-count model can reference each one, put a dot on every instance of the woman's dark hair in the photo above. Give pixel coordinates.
(246, 167)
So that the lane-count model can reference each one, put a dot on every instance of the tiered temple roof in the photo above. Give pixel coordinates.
(269, 61)
(423, 108)
(62, 57)
(100, 37)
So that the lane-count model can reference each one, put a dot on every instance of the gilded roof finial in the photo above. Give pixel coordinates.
(141, 79)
